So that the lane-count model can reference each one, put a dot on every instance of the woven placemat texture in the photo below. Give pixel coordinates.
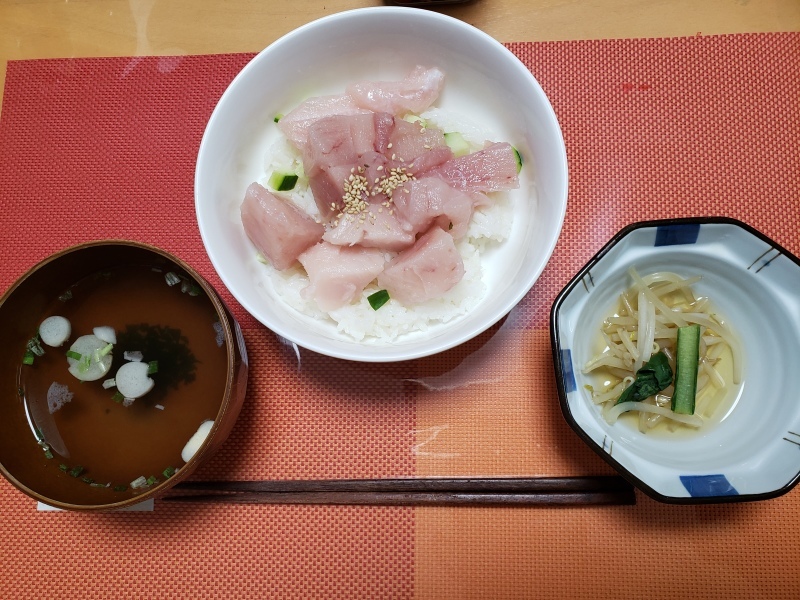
(102, 148)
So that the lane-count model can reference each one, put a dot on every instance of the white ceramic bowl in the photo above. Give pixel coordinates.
(484, 81)
(750, 452)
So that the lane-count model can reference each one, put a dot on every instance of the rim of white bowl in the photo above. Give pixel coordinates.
(363, 352)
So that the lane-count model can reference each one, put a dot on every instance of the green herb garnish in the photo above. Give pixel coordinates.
(169, 472)
(63, 467)
(74, 355)
(28, 358)
(118, 397)
(651, 378)
(378, 299)
(76, 471)
(152, 367)
(151, 480)
(120, 488)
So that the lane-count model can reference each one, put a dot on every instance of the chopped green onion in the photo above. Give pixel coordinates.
(378, 299)
(103, 351)
(76, 471)
(73, 354)
(169, 472)
(118, 397)
(152, 367)
(35, 346)
(48, 454)
(66, 296)
(139, 482)
(172, 279)
(88, 480)
(28, 358)
(85, 363)
(120, 488)
(151, 480)
(63, 467)
(277, 117)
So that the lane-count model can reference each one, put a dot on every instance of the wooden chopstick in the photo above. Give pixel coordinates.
(550, 491)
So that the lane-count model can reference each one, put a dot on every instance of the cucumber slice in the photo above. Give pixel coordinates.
(518, 158)
(282, 182)
(456, 142)
(687, 360)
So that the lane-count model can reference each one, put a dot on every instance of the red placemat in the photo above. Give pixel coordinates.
(100, 148)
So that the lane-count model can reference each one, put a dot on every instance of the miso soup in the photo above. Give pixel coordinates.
(97, 444)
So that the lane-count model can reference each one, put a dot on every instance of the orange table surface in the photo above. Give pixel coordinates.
(655, 128)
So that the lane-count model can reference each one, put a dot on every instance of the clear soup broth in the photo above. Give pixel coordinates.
(95, 446)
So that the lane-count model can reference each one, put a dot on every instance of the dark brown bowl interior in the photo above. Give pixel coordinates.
(22, 307)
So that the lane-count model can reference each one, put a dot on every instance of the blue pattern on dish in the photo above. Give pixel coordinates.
(675, 234)
(567, 371)
(708, 485)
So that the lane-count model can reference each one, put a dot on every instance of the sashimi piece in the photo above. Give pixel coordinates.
(339, 140)
(430, 160)
(295, 124)
(277, 228)
(384, 126)
(377, 227)
(428, 269)
(410, 140)
(327, 186)
(430, 201)
(489, 170)
(339, 274)
(416, 92)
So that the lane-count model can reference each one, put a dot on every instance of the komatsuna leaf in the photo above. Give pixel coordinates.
(654, 376)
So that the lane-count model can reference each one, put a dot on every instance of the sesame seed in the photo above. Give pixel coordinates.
(389, 145)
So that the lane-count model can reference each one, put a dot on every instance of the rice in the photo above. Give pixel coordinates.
(490, 225)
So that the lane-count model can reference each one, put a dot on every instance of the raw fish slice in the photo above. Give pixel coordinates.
(430, 201)
(376, 166)
(296, 123)
(489, 170)
(277, 228)
(416, 92)
(327, 186)
(384, 126)
(338, 140)
(430, 160)
(375, 228)
(339, 274)
(428, 269)
(410, 140)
